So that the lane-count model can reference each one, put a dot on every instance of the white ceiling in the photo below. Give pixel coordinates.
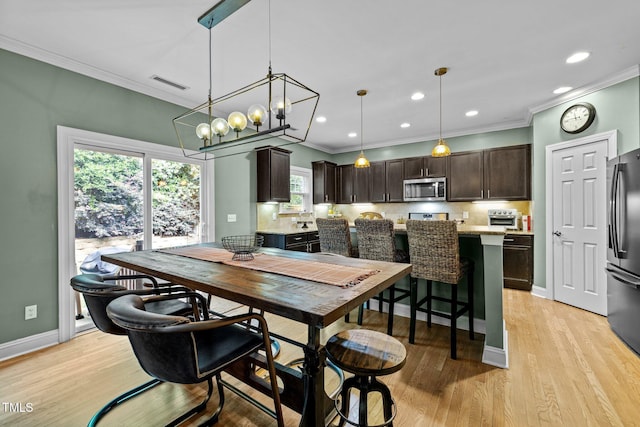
(505, 56)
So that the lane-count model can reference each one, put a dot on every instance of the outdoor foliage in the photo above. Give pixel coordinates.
(109, 200)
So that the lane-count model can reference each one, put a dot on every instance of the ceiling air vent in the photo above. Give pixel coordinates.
(169, 82)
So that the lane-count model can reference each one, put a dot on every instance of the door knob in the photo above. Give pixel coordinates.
(557, 233)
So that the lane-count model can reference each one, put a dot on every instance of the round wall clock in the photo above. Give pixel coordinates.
(578, 117)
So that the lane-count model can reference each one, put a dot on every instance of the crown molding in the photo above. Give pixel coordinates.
(54, 59)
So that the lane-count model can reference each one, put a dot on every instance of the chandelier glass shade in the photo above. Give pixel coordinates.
(277, 107)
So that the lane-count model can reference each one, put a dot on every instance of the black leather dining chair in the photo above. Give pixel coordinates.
(177, 350)
(99, 290)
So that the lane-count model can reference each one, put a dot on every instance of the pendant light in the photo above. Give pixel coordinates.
(441, 149)
(361, 161)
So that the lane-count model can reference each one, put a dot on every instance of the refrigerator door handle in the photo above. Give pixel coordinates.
(618, 168)
(625, 279)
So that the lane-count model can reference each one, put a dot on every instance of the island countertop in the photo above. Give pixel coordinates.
(466, 229)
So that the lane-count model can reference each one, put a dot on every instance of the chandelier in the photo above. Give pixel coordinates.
(276, 106)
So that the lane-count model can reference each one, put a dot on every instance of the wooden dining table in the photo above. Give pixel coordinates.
(312, 303)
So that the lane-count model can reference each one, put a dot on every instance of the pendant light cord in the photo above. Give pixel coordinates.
(440, 77)
(361, 126)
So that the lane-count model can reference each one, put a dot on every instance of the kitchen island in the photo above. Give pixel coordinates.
(484, 244)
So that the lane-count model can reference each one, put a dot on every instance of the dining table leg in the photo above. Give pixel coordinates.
(314, 408)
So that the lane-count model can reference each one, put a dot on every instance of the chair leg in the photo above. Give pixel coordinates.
(201, 406)
(392, 291)
(429, 302)
(121, 399)
(380, 301)
(413, 298)
(360, 313)
(454, 317)
(470, 301)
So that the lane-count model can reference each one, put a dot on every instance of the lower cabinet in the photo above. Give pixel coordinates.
(518, 261)
(303, 242)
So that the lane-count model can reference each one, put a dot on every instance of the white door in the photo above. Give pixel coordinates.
(578, 228)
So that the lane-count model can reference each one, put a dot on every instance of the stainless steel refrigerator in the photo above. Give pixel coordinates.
(623, 253)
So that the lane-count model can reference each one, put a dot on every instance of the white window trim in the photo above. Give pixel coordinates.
(68, 140)
(307, 173)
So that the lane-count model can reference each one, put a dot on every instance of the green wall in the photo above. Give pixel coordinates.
(36, 97)
(617, 107)
(477, 141)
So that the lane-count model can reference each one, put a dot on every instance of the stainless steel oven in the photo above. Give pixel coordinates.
(509, 218)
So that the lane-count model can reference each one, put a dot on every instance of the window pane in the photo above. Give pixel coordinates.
(176, 203)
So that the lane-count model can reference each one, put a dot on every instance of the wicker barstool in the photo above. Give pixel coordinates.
(435, 256)
(377, 241)
(335, 236)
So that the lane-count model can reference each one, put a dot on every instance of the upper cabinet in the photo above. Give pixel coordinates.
(425, 167)
(495, 174)
(507, 173)
(273, 175)
(465, 178)
(324, 182)
(385, 181)
(353, 184)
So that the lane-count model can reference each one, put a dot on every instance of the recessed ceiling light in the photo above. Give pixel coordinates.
(471, 113)
(562, 89)
(405, 125)
(577, 57)
(352, 135)
(321, 119)
(417, 96)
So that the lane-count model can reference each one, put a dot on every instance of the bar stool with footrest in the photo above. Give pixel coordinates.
(367, 354)
(435, 256)
(377, 241)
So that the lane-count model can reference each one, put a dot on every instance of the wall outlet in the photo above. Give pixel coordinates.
(30, 312)
(274, 216)
(465, 215)
(231, 218)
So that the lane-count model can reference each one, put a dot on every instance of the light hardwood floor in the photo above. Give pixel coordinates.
(566, 368)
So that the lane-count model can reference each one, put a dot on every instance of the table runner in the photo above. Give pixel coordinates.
(332, 274)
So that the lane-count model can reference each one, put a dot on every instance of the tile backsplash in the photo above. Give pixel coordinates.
(269, 218)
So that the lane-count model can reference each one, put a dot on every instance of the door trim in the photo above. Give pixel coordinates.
(67, 139)
(612, 151)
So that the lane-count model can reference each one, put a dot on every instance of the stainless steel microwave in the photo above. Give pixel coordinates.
(425, 189)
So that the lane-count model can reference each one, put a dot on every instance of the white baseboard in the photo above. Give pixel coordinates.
(495, 356)
(540, 292)
(404, 310)
(28, 344)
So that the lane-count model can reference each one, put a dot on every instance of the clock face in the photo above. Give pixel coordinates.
(577, 118)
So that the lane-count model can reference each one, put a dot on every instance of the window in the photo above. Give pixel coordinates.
(300, 185)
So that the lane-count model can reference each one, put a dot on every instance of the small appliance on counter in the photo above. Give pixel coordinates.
(439, 216)
(508, 218)
(623, 253)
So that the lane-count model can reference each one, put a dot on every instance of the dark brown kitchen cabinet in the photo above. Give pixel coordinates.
(465, 181)
(302, 242)
(385, 181)
(324, 182)
(353, 184)
(425, 167)
(507, 173)
(273, 175)
(518, 261)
